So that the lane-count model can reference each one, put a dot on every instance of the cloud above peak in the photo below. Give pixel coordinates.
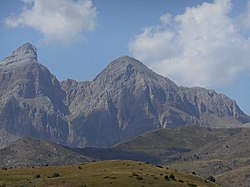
(203, 46)
(60, 21)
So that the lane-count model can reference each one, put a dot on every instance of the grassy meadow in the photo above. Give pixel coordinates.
(116, 173)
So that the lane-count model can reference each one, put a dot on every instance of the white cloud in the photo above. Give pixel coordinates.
(61, 21)
(204, 46)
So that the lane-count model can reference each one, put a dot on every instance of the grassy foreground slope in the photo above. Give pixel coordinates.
(117, 173)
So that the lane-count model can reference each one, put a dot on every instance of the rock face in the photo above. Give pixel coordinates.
(31, 100)
(124, 100)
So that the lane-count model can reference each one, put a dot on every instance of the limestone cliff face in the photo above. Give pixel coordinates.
(127, 99)
(124, 100)
(31, 101)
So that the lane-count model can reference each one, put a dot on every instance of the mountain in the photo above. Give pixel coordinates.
(126, 99)
(31, 100)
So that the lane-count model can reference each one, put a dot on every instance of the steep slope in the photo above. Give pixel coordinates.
(213, 109)
(31, 101)
(33, 152)
(116, 105)
(123, 101)
(127, 99)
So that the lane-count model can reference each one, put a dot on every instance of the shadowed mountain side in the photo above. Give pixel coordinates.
(169, 143)
(222, 153)
(32, 152)
(27, 151)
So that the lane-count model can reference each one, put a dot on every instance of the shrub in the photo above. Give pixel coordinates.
(171, 176)
(139, 178)
(211, 178)
(158, 166)
(193, 173)
(166, 177)
(37, 176)
(55, 175)
(193, 185)
(181, 181)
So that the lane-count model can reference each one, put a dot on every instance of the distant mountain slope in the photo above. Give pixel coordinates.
(32, 152)
(233, 144)
(123, 101)
(27, 151)
(172, 143)
(170, 140)
(222, 153)
(227, 159)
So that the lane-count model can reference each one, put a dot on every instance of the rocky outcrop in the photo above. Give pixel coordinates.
(31, 100)
(124, 100)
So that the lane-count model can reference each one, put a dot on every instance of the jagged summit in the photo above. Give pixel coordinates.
(128, 67)
(125, 60)
(128, 63)
(124, 65)
(26, 53)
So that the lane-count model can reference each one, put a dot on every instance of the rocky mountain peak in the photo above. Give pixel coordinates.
(26, 53)
(123, 101)
(124, 66)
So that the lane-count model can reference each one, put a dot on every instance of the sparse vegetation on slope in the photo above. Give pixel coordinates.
(221, 153)
(119, 173)
(168, 142)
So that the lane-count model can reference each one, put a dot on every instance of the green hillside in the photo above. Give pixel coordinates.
(119, 173)
(170, 141)
(222, 153)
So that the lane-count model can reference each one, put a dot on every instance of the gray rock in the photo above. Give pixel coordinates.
(123, 101)
(31, 100)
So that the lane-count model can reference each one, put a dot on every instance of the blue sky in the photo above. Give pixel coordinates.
(193, 42)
